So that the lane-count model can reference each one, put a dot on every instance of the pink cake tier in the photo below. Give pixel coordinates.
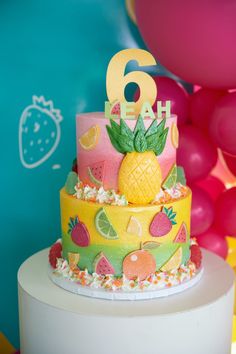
(104, 154)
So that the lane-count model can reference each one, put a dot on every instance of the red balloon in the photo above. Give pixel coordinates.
(222, 125)
(212, 185)
(185, 36)
(230, 161)
(226, 212)
(202, 212)
(196, 154)
(169, 89)
(214, 241)
(201, 106)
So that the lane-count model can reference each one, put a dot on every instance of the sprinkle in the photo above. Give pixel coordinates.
(158, 280)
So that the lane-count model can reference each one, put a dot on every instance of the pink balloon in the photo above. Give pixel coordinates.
(230, 161)
(185, 36)
(222, 125)
(212, 185)
(214, 241)
(169, 89)
(195, 153)
(202, 212)
(226, 212)
(201, 106)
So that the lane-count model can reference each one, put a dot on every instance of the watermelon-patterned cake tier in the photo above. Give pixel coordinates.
(99, 161)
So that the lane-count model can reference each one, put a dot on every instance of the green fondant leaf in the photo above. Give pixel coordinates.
(125, 130)
(166, 210)
(140, 143)
(172, 216)
(71, 181)
(114, 138)
(161, 142)
(139, 126)
(152, 142)
(156, 129)
(115, 126)
(181, 176)
(126, 143)
(173, 222)
(152, 129)
(161, 126)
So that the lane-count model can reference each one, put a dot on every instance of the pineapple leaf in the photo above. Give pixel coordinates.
(161, 142)
(115, 139)
(126, 143)
(156, 129)
(173, 222)
(139, 126)
(161, 126)
(152, 141)
(125, 130)
(140, 143)
(115, 127)
(152, 129)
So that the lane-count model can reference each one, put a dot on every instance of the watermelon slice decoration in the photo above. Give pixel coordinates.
(181, 236)
(102, 266)
(115, 108)
(96, 173)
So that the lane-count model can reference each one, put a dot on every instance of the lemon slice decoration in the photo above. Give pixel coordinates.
(175, 135)
(90, 138)
(174, 262)
(134, 227)
(104, 226)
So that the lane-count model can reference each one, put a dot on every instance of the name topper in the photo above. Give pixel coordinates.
(117, 80)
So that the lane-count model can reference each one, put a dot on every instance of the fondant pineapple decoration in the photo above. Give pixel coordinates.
(140, 175)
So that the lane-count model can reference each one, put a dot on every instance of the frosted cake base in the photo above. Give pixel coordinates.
(122, 295)
(53, 320)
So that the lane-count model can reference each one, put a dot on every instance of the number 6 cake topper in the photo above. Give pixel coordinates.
(117, 80)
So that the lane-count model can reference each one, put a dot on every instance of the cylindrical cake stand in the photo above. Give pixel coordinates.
(55, 321)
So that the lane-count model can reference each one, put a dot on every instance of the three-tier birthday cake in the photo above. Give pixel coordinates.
(125, 208)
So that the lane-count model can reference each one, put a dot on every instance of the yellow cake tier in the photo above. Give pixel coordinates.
(130, 231)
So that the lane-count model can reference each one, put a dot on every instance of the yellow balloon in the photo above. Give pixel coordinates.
(234, 329)
(231, 258)
(130, 7)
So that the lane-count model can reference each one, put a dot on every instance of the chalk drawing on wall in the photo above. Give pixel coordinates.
(39, 132)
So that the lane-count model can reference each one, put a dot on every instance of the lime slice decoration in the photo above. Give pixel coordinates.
(104, 226)
(171, 179)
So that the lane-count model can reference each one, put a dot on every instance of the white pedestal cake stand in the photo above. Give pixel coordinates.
(55, 321)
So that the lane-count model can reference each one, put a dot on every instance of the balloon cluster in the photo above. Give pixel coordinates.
(205, 120)
(202, 55)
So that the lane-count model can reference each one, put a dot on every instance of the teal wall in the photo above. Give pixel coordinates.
(59, 49)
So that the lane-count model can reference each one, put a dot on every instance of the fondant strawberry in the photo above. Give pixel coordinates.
(162, 222)
(79, 232)
(54, 253)
(196, 255)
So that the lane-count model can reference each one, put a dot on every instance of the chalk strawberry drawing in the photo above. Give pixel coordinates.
(39, 132)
